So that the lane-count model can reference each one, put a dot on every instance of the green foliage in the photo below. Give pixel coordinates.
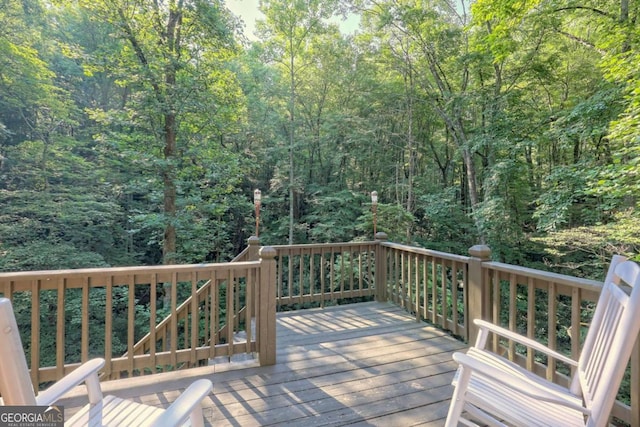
(334, 217)
(501, 216)
(519, 128)
(73, 321)
(47, 256)
(583, 251)
(418, 105)
(563, 188)
(621, 66)
(394, 220)
(446, 227)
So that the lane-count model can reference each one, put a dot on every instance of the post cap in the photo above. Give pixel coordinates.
(381, 235)
(267, 252)
(480, 251)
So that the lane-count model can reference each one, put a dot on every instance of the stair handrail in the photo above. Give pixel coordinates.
(143, 344)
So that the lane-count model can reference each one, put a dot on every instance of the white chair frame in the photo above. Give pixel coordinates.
(16, 389)
(498, 392)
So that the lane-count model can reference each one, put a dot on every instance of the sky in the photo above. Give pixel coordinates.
(248, 11)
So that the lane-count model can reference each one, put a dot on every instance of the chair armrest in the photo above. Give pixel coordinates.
(520, 384)
(189, 404)
(528, 342)
(87, 372)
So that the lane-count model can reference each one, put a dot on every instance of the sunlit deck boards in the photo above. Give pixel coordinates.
(361, 364)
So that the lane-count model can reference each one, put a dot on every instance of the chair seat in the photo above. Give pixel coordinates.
(512, 407)
(116, 412)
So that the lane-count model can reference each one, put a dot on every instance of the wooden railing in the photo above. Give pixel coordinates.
(307, 276)
(428, 284)
(104, 312)
(206, 306)
(312, 275)
(226, 332)
(449, 290)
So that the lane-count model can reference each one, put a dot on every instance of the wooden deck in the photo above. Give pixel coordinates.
(366, 364)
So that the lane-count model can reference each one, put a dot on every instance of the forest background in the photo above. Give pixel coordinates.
(134, 133)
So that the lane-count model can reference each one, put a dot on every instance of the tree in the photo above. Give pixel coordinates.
(553, 50)
(431, 37)
(289, 27)
(172, 67)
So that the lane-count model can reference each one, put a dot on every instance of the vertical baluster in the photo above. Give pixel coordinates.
(454, 297)
(35, 333)
(323, 273)
(250, 275)
(497, 306)
(153, 321)
(513, 313)
(231, 310)
(425, 287)
(60, 327)
(195, 319)
(173, 333)
(576, 326)
(131, 313)
(551, 328)
(434, 291)
(108, 329)
(444, 291)
(84, 333)
(531, 320)
(215, 314)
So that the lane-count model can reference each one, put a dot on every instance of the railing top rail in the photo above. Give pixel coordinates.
(563, 279)
(241, 256)
(428, 252)
(117, 271)
(322, 245)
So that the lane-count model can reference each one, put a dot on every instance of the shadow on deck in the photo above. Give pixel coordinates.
(366, 364)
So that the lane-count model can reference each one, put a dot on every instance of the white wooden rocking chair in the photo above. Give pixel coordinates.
(495, 391)
(16, 389)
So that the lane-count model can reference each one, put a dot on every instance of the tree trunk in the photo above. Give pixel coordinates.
(291, 142)
(170, 143)
(168, 180)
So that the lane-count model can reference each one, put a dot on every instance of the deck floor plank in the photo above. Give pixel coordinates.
(365, 364)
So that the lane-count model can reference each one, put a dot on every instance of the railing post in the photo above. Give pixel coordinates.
(381, 267)
(267, 321)
(254, 248)
(478, 291)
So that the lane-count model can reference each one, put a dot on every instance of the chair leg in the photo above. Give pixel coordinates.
(458, 398)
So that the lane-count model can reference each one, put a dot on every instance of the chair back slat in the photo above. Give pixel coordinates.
(596, 364)
(610, 339)
(15, 383)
